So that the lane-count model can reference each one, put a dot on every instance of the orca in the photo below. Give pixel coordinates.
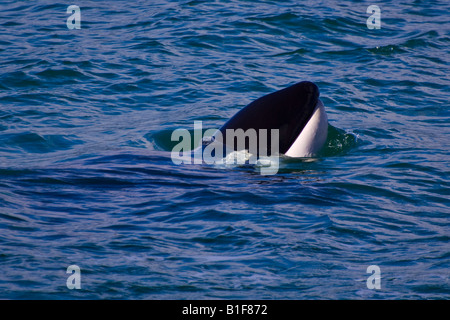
(296, 112)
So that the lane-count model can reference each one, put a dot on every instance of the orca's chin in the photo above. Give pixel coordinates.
(313, 136)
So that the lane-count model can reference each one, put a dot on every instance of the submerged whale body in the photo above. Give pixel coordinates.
(296, 113)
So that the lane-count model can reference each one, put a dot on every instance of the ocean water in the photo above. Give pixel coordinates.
(86, 176)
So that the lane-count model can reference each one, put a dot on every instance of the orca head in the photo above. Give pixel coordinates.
(296, 112)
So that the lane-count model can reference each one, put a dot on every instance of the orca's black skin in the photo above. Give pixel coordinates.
(288, 110)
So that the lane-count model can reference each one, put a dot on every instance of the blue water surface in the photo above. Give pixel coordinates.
(86, 176)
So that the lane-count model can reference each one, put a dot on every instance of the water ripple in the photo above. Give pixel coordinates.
(86, 177)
